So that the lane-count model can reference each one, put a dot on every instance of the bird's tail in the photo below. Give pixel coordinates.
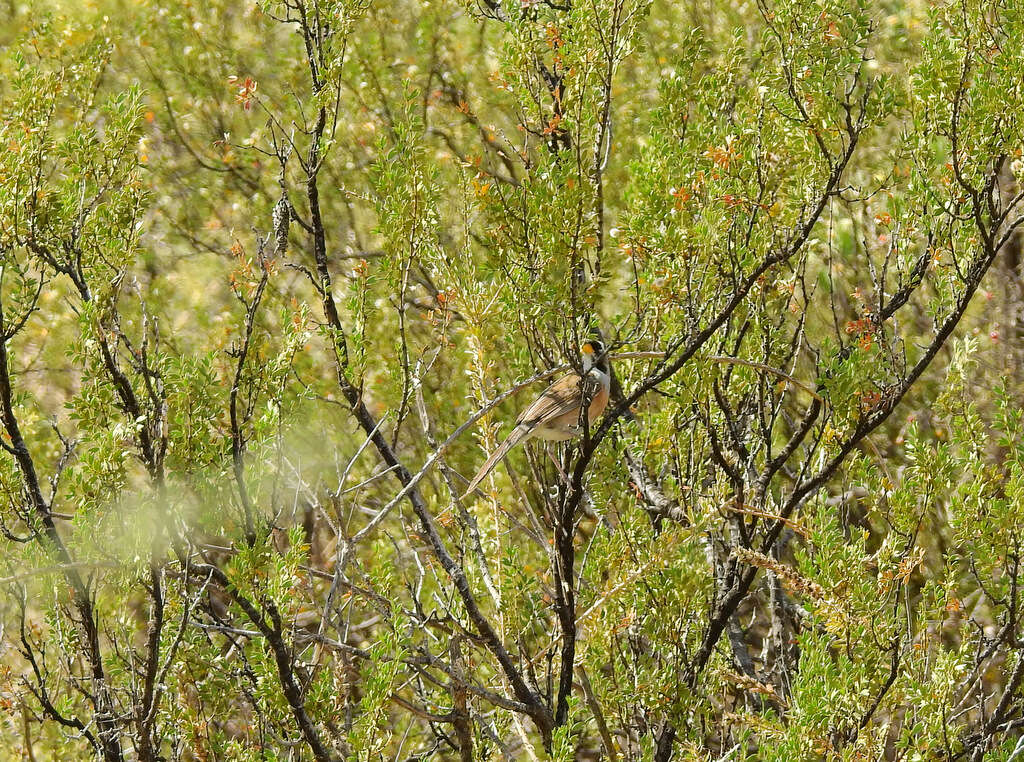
(518, 435)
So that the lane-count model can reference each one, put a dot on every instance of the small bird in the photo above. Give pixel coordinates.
(555, 414)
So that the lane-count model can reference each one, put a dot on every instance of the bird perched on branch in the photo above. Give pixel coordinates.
(556, 414)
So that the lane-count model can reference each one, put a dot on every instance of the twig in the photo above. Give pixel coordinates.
(726, 361)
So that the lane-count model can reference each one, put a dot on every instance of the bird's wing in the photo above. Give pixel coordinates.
(560, 398)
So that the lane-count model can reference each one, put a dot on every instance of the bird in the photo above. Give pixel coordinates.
(555, 415)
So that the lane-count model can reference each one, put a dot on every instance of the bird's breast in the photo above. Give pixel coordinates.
(598, 403)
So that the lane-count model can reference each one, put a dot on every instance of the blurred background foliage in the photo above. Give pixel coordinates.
(226, 226)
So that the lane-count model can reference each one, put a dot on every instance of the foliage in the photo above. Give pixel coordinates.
(274, 276)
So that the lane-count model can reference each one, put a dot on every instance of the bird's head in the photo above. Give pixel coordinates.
(594, 356)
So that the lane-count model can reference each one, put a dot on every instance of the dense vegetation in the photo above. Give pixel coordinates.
(276, 276)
